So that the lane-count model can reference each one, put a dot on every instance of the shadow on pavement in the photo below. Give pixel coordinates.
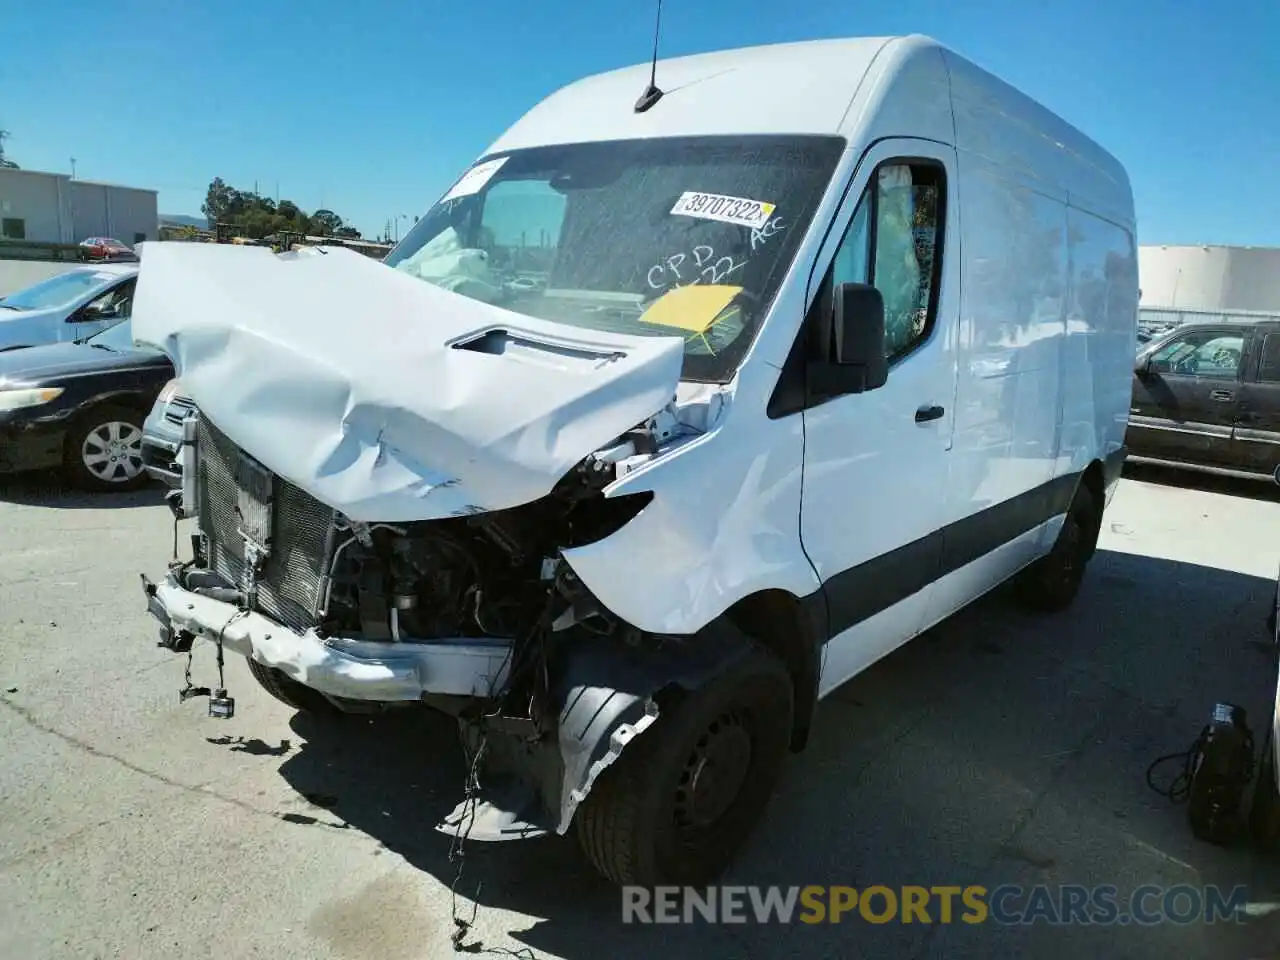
(49, 488)
(998, 748)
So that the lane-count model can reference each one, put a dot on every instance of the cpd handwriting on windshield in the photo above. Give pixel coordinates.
(701, 265)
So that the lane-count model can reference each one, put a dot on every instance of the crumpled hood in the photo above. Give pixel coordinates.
(382, 395)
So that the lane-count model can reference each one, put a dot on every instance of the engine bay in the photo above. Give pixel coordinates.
(493, 574)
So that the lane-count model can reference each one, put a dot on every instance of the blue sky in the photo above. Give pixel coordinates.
(373, 108)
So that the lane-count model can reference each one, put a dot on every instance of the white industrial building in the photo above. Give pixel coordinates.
(1210, 278)
(54, 208)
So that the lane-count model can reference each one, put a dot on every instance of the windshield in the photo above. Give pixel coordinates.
(57, 291)
(684, 237)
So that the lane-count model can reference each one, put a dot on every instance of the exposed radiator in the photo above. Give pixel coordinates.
(232, 495)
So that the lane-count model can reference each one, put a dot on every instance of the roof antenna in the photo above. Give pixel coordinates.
(652, 94)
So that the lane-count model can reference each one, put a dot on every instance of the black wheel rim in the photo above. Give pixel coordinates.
(713, 774)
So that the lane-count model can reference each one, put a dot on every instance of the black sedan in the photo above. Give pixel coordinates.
(80, 406)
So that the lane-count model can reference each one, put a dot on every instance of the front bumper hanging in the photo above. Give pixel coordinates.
(339, 667)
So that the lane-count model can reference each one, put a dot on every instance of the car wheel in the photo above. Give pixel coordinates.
(104, 449)
(681, 800)
(1052, 582)
(288, 690)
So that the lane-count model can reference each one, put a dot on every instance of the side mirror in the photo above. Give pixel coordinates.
(1142, 365)
(90, 312)
(858, 337)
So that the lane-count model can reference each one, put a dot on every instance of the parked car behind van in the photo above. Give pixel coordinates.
(1206, 396)
(827, 341)
(79, 407)
(73, 305)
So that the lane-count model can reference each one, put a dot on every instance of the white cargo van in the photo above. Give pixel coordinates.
(668, 418)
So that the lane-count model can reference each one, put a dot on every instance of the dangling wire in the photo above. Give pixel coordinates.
(1179, 789)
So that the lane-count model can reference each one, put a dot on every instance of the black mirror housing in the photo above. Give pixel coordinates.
(1142, 365)
(858, 336)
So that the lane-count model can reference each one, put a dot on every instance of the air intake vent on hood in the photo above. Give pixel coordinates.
(543, 353)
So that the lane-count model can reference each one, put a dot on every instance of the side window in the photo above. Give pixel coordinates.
(116, 302)
(1269, 365)
(13, 228)
(1212, 354)
(894, 242)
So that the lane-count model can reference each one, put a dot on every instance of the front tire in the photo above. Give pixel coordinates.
(104, 450)
(1052, 582)
(678, 804)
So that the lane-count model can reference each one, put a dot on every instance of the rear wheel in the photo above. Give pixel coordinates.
(104, 449)
(288, 690)
(680, 801)
(1052, 582)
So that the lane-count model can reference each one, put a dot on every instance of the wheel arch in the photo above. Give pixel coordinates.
(787, 627)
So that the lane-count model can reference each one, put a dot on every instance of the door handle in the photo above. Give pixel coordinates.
(1221, 395)
(929, 412)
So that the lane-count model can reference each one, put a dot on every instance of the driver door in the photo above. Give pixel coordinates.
(105, 310)
(875, 463)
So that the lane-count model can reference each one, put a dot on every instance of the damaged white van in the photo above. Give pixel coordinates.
(668, 418)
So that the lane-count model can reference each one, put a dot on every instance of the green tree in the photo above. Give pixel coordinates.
(4, 161)
(255, 216)
(326, 223)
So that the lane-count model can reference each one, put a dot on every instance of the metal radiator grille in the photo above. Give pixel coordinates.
(301, 529)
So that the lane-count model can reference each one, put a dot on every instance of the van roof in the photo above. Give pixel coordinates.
(797, 88)
(904, 85)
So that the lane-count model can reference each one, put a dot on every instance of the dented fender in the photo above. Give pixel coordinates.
(605, 694)
(607, 697)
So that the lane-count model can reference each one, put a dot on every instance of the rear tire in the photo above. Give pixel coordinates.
(679, 803)
(104, 450)
(1052, 582)
(288, 690)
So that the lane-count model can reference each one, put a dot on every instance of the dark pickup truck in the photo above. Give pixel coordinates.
(1206, 396)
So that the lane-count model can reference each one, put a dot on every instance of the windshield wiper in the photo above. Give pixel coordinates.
(97, 346)
(8, 306)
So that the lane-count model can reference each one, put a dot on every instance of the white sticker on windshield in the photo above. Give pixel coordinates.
(714, 206)
(473, 180)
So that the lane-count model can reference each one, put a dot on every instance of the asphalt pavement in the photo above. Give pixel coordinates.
(999, 748)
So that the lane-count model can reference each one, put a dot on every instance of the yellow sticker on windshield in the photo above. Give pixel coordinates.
(693, 308)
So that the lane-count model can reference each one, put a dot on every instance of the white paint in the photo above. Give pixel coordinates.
(345, 377)
(341, 375)
(473, 180)
(858, 648)
(715, 206)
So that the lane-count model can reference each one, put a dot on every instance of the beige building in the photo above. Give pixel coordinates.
(1210, 278)
(53, 208)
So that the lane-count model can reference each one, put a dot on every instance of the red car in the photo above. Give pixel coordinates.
(105, 248)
